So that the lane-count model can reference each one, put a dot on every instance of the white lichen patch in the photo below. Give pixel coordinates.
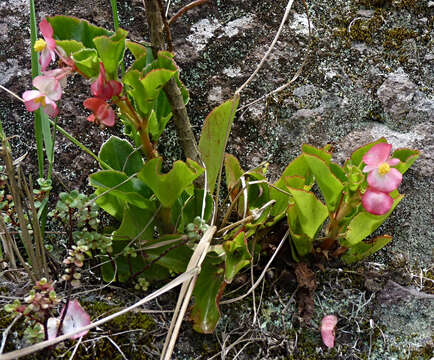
(232, 28)
(232, 72)
(300, 24)
(202, 32)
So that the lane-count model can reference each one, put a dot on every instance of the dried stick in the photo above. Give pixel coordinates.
(6, 332)
(185, 293)
(282, 23)
(13, 186)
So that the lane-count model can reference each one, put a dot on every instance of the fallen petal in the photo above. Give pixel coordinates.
(52, 325)
(328, 326)
(75, 318)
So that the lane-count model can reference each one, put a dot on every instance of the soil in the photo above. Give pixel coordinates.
(385, 304)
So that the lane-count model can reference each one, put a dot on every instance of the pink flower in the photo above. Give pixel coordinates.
(376, 202)
(49, 91)
(378, 164)
(103, 88)
(102, 112)
(75, 318)
(328, 325)
(47, 46)
(59, 74)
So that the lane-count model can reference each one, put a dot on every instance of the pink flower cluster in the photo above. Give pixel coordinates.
(102, 90)
(49, 84)
(382, 179)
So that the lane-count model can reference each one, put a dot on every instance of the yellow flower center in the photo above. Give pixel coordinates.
(41, 100)
(383, 169)
(40, 45)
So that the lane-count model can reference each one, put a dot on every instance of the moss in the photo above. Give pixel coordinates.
(396, 36)
(128, 321)
(424, 353)
(360, 29)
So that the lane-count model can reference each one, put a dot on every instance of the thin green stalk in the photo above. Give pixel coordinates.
(79, 144)
(116, 25)
(35, 72)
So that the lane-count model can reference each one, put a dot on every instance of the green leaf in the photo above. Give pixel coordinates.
(364, 224)
(134, 220)
(120, 155)
(157, 125)
(311, 212)
(175, 257)
(331, 187)
(364, 249)
(136, 89)
(357, 155)
(145, 91)
(213, 138)
(407, 157)
(71, 28)
(127, 266)
(233, 173)
(86, 61)
(237, 256)
(110, 203)
(111, 51)
(169, 187)
(132, 191)
(207, 292)
(301, 244)
(187, 207)
(154, 81)
(70, 46)
(297, 167)
(138, 50)
(339, 172)
(324, 155)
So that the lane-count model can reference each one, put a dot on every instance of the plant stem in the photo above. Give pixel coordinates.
(141, 126)
(65, 310)
(176, 101)
(185, 9)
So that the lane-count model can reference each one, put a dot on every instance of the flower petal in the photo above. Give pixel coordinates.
(51, 108)
(46, 29)
(75, 318)
(29, 97)
(116, 87)
(377, 154)
(376, 202)
(328, 325)
(45, 58)
(106, 115)
(385, 183)
(93, 104)
(49, 86)
(393, 162)
(52, 325)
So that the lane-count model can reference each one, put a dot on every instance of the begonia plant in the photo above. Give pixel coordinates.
(162, 216)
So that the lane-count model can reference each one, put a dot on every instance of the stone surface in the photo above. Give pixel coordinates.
(402, 101)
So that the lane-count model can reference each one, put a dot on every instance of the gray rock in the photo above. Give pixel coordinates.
(402, 102)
